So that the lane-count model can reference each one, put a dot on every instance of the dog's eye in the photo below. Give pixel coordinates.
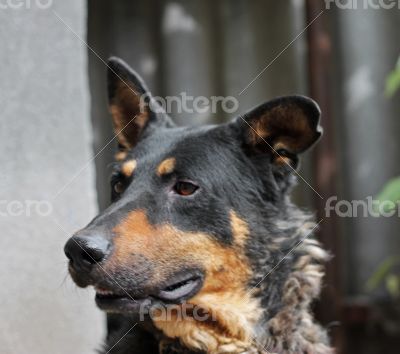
(118, 187)
(185, 188)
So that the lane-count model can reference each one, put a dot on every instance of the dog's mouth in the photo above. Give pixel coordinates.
(176, 290)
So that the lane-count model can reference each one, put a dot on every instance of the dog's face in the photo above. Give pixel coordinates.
(186, 202)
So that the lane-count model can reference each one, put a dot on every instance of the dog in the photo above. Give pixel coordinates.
(201, 220)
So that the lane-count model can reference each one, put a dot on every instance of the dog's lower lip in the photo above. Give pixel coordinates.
(118, 303)
(109, 295)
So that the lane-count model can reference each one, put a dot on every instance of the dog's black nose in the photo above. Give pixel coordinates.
(84, 251)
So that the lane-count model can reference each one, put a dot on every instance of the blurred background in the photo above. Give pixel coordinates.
(57, 141)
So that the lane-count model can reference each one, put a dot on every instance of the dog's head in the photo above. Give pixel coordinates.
(192, 208)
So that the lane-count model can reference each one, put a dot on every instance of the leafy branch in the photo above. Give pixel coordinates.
(393, 81)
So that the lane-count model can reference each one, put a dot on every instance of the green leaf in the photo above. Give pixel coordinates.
(393, 285)
(381, 272)
(393, 81)
(389, 197)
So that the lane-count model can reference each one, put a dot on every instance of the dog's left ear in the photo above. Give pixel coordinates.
(284, 128)
(132, 107)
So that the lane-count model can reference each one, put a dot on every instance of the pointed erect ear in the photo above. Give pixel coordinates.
(283, 127)
(132, 108)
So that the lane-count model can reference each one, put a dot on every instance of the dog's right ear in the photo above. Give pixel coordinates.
(282, 128)
(131, 105)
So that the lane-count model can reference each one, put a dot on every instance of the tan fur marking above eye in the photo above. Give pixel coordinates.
(240, 229)
(128, 167)
(166, 167)
(121, 155)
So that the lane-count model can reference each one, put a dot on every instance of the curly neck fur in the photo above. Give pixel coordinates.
(290, 326)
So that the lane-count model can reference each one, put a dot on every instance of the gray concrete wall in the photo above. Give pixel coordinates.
(45, 140)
